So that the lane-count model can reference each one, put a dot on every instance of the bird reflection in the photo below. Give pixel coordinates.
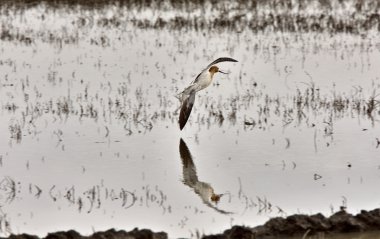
(190, 178)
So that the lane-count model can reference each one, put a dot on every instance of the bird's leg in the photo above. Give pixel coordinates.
(179, 96)
(176, 111)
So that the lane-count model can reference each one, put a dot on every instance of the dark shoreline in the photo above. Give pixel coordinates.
(295, 225)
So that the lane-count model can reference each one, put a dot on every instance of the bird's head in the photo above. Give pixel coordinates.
(215, 198)
(215, 69)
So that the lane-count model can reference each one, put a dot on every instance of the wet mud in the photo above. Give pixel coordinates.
(112, 233)
(301, 225)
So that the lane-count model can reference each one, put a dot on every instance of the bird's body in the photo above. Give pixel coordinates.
(203, 80)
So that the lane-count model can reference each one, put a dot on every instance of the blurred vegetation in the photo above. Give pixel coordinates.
(352, 16)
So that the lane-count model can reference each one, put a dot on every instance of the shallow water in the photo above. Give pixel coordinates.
(90, 134)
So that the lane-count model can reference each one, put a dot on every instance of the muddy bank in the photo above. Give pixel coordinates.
(340, 222)
(112, 233)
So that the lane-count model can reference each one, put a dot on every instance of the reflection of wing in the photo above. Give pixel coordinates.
(216, 209)
(221, 59)
(187, 106)
(190, 177)
(184, 151)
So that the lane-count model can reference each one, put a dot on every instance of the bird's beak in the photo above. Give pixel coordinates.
(223, 72)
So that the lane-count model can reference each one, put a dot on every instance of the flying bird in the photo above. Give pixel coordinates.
(204, 79)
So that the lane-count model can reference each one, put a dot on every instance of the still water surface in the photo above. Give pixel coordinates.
(90, 135)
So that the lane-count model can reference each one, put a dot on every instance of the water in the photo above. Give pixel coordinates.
(90, 135)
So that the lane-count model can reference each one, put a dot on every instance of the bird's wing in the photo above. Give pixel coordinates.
(186, 107)
(199, 76)
(221, 59)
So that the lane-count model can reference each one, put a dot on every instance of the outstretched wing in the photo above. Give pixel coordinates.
(221, 59)
(187, 106)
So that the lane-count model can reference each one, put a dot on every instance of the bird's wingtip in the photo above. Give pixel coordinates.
(182, 125)
(227, 59)
(222, 59)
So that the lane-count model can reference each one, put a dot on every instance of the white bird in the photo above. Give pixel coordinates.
(204, 79)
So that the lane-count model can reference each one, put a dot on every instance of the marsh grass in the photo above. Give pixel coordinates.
(74, 19)
(253, 109)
